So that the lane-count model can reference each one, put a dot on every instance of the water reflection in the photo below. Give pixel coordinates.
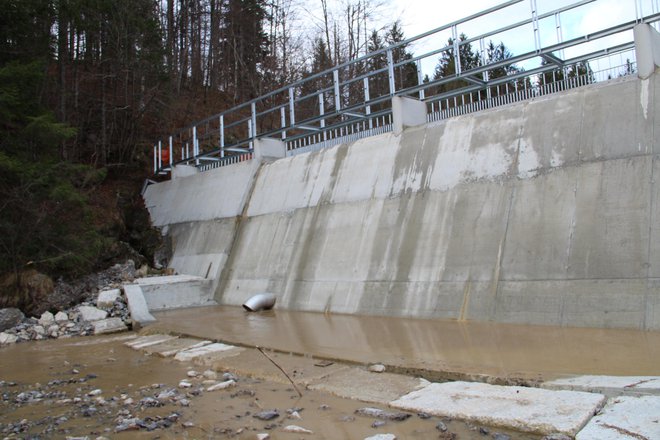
(468, 347)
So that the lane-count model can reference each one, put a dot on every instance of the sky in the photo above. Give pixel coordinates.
(418, 16)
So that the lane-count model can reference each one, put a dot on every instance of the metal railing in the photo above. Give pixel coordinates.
(353, 100)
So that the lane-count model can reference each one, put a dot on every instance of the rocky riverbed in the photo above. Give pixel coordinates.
(97, 388)
(102, 309)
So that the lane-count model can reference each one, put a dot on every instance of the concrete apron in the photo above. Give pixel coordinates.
(524, 409)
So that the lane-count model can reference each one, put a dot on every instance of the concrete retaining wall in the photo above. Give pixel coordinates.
(543, 212)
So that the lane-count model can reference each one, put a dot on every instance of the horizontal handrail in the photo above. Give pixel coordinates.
(358, 92)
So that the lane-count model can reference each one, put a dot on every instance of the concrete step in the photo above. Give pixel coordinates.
(176, 291)
(625, 418)
(608, 385)
(518, 408)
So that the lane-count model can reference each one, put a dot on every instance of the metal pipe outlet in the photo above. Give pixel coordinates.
(261, 301)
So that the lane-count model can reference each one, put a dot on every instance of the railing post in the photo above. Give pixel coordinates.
(171, 156)
(155, 158)
(420, 79)
(457, 50)
(160, 155)
(322, 113)
(222, 135)
(283, 122)
(253, 110)
(250, 131)
(535, 25)
(195, 145)
(292, 108)
(390, 71)
(367, 109)
(335, 78)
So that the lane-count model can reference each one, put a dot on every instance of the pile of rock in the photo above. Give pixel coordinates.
(108, 316)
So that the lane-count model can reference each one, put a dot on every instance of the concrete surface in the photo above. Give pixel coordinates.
(176, 291)
(583, 415)
(625, 418)
(356, 383)
(522, 409)
(109, 325)
(204, 351)
(608, 385)
(540, 212)
(137, 305)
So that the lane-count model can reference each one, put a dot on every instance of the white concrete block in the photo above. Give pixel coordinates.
(107, 298)
(179, 171)
(191, 354)
(518, 408)
(266, 148)
(625, 417)
(137, 305)
(647, 50)
(110, 325)
(89, 313)
(608, 385)
(146, 341)
(407, 112)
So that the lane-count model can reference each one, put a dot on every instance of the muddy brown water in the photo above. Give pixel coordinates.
(469, 348)
(405, 344)
(121, 372)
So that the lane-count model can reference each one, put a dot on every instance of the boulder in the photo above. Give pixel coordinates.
(7, 338)
(46, 319)
(106, 299)
(10, 317)
(110, 325)
(61, 317)
(91, 314)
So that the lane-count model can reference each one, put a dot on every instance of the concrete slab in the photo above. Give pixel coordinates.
(137, 305)
(358, 384)
(109, 325)
(609, 385)
(625, 417)
(518, 408)
(176, 291)
(194, 354)
(173, 346)
(146, 341)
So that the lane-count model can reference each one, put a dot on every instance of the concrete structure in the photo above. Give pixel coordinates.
(542, 212)
(625, 418)
(523, 409)
(137, 306)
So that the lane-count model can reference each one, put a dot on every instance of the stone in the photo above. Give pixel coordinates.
(7, 338)
(192, 373)
(46, 319)
(106, 298)
(267, 415)
(222, 385)
(263, 436)
(39, 330)
(377, 368)
(61, 317)
(110, 325)
(295, 429)
(91, 314)
(185, 384)
(517, 408)
(10, 317)
(381, 437)
(381, 414)
(210, 374)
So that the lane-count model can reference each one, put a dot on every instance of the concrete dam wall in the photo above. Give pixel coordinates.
(542, 212)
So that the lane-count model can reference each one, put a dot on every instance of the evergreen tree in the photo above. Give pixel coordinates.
(446, 67)
(405, 75)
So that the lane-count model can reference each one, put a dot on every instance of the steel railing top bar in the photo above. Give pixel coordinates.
(335, 115)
